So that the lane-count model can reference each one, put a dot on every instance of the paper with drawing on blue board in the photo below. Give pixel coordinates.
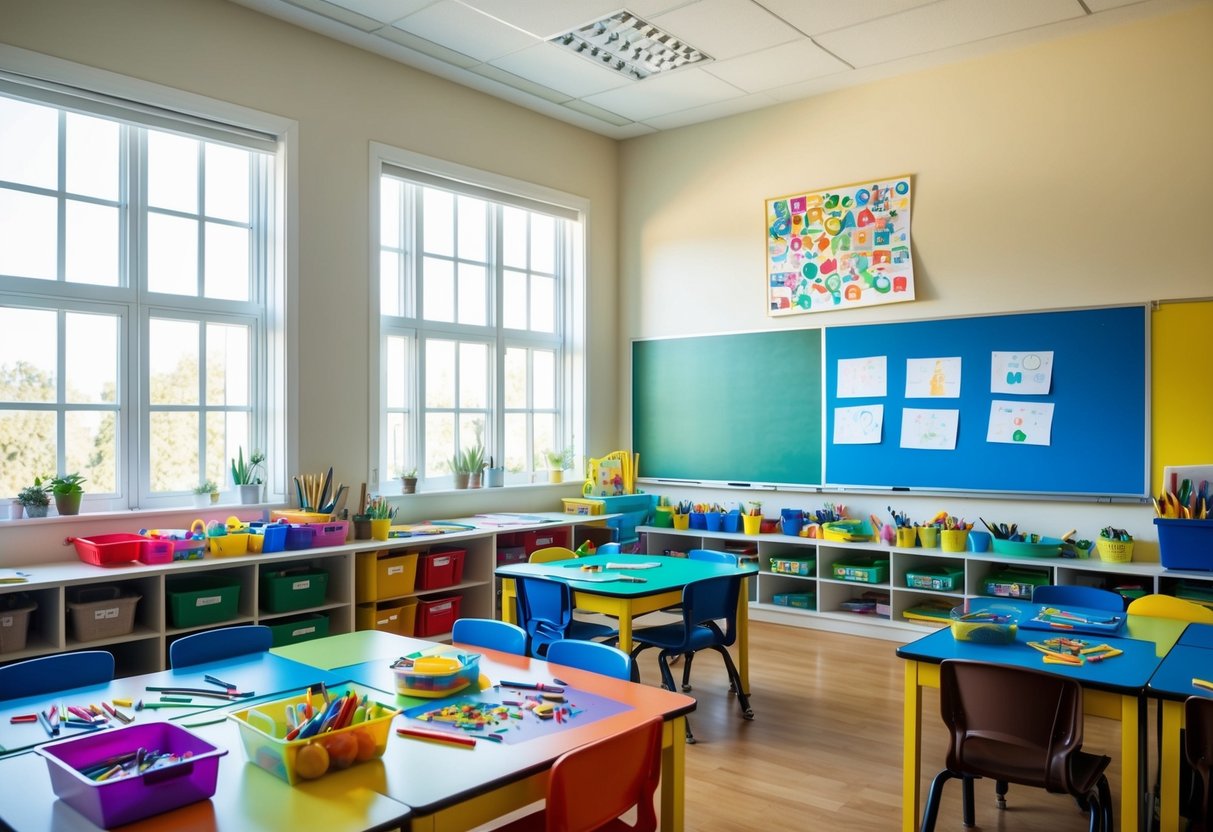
(1022, 373)
(859, 425)
(933, 378)
(863, 377)
(1020, 423)
(931, 430)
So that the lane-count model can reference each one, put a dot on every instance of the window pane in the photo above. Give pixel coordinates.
(91, 243)
(236, 440)
(439, 283)
(439, 223)
(397, 443)
(29, 144)
(473, 228)
(515, 377)
(513, 238)
(227, 263)
(543, 243)
(473, 376)
(515, 442)
(28, 355)
(514, 300)
(91, 358)
(391, 192)
(174, 451)
(29, 446)
(390, 295)
(92, 156)
(544, 379)
(439, 443)
(173, 364)
(172, 172)
(543, 304)
(227, 364)
(396, 371)
(29, 229)
(216, 464)
(471, 430)
(439, 373)
(473, 295)
(172, 255)
(92, 449)
(545, 438)
(227, 182)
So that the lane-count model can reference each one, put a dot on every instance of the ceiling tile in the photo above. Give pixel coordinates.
(465, 30)
(546, 18)
(941, 25)
(518, 83)
(708, 112)
(561, 70)
(384, 11)
(816, 16)
(777, 67)
(427, 47)
(680, 90)
(334, 12)
(598, 113)
(725, 28)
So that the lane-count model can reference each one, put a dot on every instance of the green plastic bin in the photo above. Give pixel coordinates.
(299, 628)
(198, 600)
(291, 589)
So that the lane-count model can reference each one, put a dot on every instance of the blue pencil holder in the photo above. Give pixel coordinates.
(791, 521)
(731, 522)
(699, 520)
(712, 521)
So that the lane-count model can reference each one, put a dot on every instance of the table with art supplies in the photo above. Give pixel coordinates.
(1114, 656)
(625, 586)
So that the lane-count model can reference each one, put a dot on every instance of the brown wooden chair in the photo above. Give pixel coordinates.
(1014, 725)
(1198, 749)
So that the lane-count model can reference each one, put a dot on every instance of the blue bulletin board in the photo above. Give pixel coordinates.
(1098, 392)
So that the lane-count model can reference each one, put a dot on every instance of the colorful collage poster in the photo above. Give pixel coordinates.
(839, 248)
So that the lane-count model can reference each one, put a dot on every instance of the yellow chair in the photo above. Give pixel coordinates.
(1168, 606)
(550, 554)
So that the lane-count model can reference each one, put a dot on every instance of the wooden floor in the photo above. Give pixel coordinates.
(824, 749)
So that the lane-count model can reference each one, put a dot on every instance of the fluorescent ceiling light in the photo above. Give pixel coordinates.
(630, 46)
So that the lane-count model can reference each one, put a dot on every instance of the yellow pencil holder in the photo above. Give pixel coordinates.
(907, 537)
(380, 528)
(751, 523)
(1115, 551)
(953, 540)
(682, 521)
(928, 537)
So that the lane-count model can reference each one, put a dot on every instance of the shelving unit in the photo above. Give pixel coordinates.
(830, 593)
(346, 600)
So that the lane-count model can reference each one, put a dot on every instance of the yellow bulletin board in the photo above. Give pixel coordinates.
(1182, 407)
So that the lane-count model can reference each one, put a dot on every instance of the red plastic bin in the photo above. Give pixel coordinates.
(543, 538)
(440, 567)
(436, 616)
(121, 547)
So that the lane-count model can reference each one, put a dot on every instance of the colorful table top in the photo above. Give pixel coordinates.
(1173, 678)
(627, 576)
(342, 650)
(1197, 635)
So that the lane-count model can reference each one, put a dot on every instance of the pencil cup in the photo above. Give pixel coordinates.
(664, 517)
(362, 527)
(907, 537)
(379, 528)
(752, 523)
(712, 521)
(731, 522)
(928, 536)
(682, 521)
(698, 520)
(978, 542)
(791, 521)
(952, 540)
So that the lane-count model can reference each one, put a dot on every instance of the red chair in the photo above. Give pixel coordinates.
(581, 799)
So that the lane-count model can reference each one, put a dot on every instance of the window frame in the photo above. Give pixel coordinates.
(569, 340)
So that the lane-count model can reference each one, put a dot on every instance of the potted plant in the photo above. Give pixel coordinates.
(458, 466)
(409, 481)
(473, 460)
(68, 492)
(246, 477)
(381, 514)
(559, 461)
(34, 499)
(206, 493)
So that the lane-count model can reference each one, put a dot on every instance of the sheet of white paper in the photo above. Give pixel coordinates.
(933, 378)
(1021, 373)
(933, 430)
(1020, 423)
(859, 425)
(863, 377)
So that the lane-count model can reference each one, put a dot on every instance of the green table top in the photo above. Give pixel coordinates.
(342, 650)
(668, 574)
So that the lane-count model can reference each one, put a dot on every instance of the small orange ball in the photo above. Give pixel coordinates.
(312, 761)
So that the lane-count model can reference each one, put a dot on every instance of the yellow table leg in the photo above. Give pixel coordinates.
(509, 609)
(1172, 723)
(625, 627)
(911, 763)
(743, 635)
(673, 774)
(1130, 785)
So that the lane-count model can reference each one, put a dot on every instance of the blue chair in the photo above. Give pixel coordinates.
(491, 634)
(592, 656)
(1079, 596)
(63, 671)
(712, 556)
(607, 549)
(704, 604)
(545, 611)
(214, 645)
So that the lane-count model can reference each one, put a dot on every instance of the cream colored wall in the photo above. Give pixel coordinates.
(1073, 173)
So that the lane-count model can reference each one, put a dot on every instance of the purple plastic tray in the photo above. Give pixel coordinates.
(126, 799)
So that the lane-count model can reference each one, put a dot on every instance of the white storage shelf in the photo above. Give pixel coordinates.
(831, 593)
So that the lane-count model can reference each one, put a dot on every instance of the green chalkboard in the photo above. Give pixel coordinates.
(742, 408)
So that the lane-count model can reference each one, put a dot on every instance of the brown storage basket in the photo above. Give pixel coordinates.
(101, 611)
(15, 609)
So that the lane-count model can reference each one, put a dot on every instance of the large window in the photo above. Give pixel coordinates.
(136, 253)
(479, 299)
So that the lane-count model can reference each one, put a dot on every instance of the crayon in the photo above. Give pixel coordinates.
(440, 736)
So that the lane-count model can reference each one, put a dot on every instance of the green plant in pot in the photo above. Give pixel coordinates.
(67, 490)
(206, 493)
(34, 499)
(559, 461)
(473, 461)
(459, 469)
(246, 476)
(408, 481)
